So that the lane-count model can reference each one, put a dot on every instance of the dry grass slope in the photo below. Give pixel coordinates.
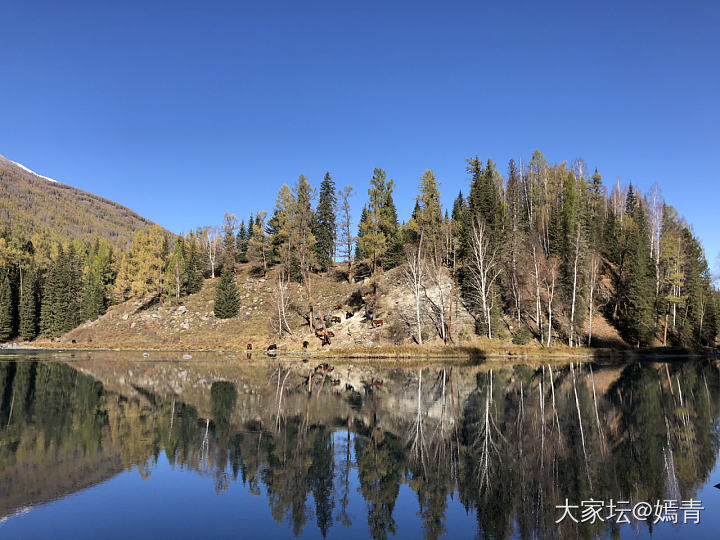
(193, 326)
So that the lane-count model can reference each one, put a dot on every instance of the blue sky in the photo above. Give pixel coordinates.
(183, 110)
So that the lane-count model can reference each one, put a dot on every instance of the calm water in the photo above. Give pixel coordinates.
(116, 446)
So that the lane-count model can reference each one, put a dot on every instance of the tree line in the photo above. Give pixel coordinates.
(535, 255)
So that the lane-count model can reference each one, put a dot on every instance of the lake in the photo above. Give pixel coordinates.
(117, 445)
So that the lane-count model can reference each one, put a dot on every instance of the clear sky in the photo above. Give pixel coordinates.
(183, 110)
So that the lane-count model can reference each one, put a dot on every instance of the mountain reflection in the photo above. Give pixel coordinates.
(508, 444)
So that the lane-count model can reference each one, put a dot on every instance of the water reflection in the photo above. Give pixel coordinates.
(507, 444)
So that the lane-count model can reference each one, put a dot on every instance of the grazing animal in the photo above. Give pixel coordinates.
(272, 347)
(324, 369)
(336, 319)
(319, 333)
(305, 344)
(329, 333)
(377, 323)
(89, 340)
(376, 382)
(338, 307)
(349, 314)
(249, 346)
(335, 382)
(73, 341)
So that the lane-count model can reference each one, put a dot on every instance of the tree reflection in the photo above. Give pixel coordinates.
(509, 443)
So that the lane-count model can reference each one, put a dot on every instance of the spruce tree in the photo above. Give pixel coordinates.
(360, 254)
(229, 226)
(635, 290)
(324, 228)
(28, 307)
(460, 223)
(241, 243)
(227, 302)
(175, 277)
(72, 291)
(485, 200)
(193, 266)
(50, 293)
(250, 229)
(6, 310)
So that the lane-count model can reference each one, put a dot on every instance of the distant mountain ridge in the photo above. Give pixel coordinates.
(45, 205)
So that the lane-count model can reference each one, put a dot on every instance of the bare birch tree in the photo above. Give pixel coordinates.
(576, 245)
(550, 280)
(438, 277)
(594, 274)
(655, 218)
(484, 269)
(210, 240)
(282, 300)
(414, 275)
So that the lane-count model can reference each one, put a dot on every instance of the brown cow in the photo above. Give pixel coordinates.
(377, 323)
(338, 307)
(324, 369)
(319, 333)
(336, 320)
(249, 346)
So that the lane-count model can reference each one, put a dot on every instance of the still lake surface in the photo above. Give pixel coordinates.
(114, 445)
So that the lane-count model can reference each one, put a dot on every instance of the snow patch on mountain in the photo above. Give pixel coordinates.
(23, 167)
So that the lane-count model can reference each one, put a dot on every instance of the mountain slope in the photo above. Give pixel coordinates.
(42, 204)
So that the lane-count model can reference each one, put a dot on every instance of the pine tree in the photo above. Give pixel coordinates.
(49, 316)
(229, 226)
(227, 302)
(71, 290)
(259, 246)
(250, 229)
(6, 307)
(378, 232)
(175, 276)
(484, 199)
(61, 299)
(635, 290)
(324, 228)
(193, 265)
(279, 229)
(241, 243)
(93, 300)
(428, 213)
(302, 218)
(28, 307)
(360, 254)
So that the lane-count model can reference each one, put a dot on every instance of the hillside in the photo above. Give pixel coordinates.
(41, 204)
(192, 324)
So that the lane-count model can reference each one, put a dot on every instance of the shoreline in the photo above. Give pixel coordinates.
(457, 354)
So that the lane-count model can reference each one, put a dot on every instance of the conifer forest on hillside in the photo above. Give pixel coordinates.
(536, 255)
